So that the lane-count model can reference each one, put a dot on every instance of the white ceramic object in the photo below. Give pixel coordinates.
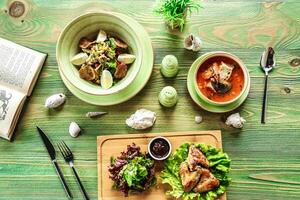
(155, 157)
(141, 119)
(55, 100)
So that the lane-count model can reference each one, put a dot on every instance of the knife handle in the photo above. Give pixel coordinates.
(62, 179)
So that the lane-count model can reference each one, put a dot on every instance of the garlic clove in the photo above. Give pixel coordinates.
(126, 58)
(79, 59)
(55, 100)
(102, 36)
(74, 129)
(106, 79)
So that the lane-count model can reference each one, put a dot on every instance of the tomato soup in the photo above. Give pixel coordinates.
(236, 80)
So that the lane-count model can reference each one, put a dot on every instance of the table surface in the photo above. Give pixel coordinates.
(265, 158)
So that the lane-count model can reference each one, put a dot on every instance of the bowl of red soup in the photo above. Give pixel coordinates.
(221, 78)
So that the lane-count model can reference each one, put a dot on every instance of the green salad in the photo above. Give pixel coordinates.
(219, 166)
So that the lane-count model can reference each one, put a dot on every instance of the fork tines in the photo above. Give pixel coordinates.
(65, 151)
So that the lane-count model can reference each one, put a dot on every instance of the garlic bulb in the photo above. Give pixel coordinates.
(235, 120)
(168, 96)
(74, 129)
(169, 66)
(141, 119)
(193, 43)
(55, 100)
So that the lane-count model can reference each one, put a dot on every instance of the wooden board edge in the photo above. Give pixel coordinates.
(101, 139)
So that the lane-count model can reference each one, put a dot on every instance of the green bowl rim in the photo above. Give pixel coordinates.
(199, 61)
(115, 14)
(140, 83)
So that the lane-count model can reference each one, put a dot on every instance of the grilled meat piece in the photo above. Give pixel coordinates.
(196, 158)
(189, 179)
(121, 70)
(207, 182)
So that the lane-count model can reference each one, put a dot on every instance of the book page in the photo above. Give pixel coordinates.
(10, 103)
(19, 66)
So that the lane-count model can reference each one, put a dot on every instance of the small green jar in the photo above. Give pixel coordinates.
(169, 66)
(168, 96)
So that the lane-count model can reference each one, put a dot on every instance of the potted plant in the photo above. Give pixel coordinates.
(175, 11)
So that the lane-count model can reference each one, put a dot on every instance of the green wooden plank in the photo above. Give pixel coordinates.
(265, 161)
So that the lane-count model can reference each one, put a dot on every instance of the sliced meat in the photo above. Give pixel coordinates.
(207, 182)
(121, 44)
(189, 179)
(121, 70)
(196, 158)
(85, 43)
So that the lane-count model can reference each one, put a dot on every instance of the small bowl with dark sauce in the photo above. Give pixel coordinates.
(159, 148)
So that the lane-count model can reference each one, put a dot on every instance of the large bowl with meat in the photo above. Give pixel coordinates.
(86, 27)
(221, 78)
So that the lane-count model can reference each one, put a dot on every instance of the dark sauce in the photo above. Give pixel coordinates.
(159, 148)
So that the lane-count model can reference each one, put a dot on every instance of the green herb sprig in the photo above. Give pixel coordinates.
(175, 11)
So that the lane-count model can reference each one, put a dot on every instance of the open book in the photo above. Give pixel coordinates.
(19, 70)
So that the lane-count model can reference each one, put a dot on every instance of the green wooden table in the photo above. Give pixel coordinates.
(265, 158)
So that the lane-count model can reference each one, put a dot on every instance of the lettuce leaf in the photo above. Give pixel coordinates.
(219, 165)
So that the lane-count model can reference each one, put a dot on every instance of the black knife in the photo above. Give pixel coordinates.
(51, 152)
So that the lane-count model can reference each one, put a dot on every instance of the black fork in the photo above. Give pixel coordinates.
(69, 158)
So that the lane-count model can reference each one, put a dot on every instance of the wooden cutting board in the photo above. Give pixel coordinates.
(112, 145)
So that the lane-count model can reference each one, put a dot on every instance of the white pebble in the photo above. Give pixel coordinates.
(74, 129)
(55, 100)
(198, 119)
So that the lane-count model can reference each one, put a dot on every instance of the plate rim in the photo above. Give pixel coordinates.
(212, 108)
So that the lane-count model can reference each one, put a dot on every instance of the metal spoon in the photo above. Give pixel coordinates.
(267, 62)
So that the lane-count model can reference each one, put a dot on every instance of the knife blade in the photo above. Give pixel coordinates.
(51, 152)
